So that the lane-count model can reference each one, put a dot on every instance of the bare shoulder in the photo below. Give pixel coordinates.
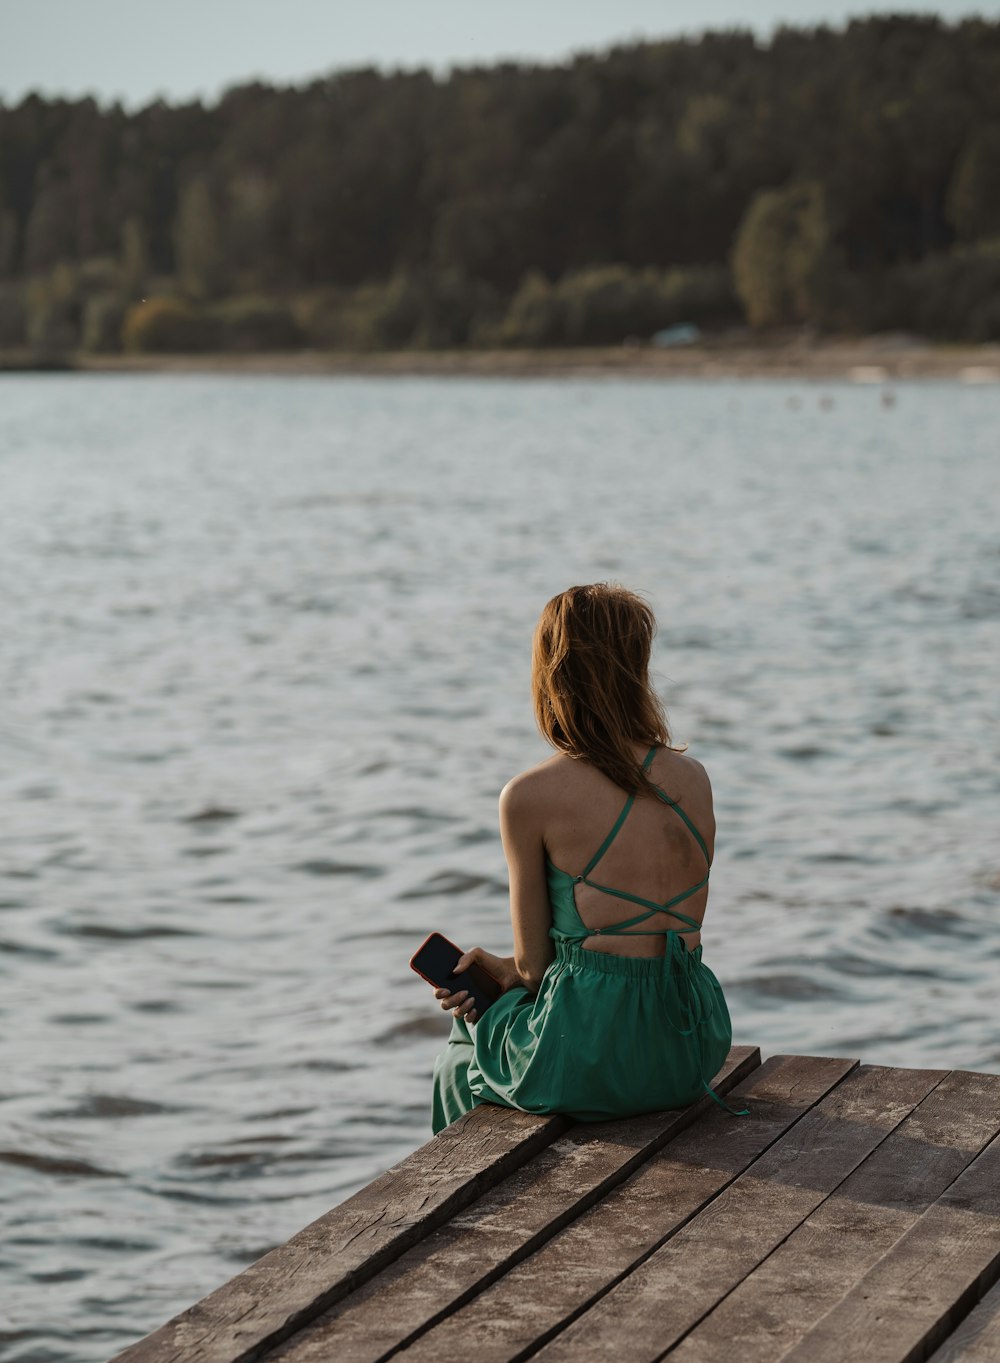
(695, 770)
(681, 760)
(526, 793)
(686, 779)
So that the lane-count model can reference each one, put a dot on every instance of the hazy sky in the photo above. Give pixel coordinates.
(135, 50)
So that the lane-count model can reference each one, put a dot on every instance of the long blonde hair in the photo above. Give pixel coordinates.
(590, 680)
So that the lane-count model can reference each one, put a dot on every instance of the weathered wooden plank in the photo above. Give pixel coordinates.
(292, 1284)
(977, 1339)
(834, 1247)
(658, 1303)
(537, 1296)
(927, 1282)
(504, 1226)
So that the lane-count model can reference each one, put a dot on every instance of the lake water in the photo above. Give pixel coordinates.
(264, 670)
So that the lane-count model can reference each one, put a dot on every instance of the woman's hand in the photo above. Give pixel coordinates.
(461, 1002)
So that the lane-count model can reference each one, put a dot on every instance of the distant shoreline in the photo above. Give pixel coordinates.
(867, 360)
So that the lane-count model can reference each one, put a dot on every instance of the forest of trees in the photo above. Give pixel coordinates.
(846, 180)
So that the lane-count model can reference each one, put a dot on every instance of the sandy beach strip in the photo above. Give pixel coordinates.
(874, 360)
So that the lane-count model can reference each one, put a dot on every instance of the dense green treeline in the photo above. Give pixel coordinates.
(844, 179)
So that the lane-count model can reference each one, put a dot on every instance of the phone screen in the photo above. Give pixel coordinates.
(435, 961)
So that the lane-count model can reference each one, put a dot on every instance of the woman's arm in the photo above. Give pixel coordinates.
(530, 913)
(531, 916)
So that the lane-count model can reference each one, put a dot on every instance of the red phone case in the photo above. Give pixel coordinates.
(460, 952)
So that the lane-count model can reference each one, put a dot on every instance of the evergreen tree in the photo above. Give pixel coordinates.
(198, 242)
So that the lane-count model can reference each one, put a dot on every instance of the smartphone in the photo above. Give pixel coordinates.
(435, 961)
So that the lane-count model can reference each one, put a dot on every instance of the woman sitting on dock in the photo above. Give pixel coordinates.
(599, 1017)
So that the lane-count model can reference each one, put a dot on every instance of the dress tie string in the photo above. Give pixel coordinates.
(691, 1000)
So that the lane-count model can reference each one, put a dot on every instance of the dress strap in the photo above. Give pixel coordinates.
(618, 822)
(675, 806)
(697, 1014)
(650, 908)
(684, 894)
(610, 838)
(734, 1111)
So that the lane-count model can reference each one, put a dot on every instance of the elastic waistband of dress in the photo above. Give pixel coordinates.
(631, 967)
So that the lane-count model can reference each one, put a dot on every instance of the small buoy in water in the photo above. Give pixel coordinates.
(888, 398)
(826, 403)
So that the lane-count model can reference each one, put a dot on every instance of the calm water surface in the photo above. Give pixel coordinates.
(264, 671)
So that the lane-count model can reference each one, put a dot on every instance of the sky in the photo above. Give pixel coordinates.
(136, 51)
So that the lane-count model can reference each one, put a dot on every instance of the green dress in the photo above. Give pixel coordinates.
(606, 1036)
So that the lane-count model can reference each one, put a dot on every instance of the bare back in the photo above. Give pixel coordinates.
(654, 855)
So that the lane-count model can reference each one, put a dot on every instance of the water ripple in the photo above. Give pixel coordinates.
(267, 669)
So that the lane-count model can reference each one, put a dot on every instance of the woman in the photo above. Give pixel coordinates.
(607, 1008)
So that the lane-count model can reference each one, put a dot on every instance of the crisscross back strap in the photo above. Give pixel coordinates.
(678, 811)
(618, 822)
(621, 929)
(614, 929)
(610, 838)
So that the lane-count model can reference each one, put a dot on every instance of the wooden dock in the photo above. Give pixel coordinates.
(853, 1215)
